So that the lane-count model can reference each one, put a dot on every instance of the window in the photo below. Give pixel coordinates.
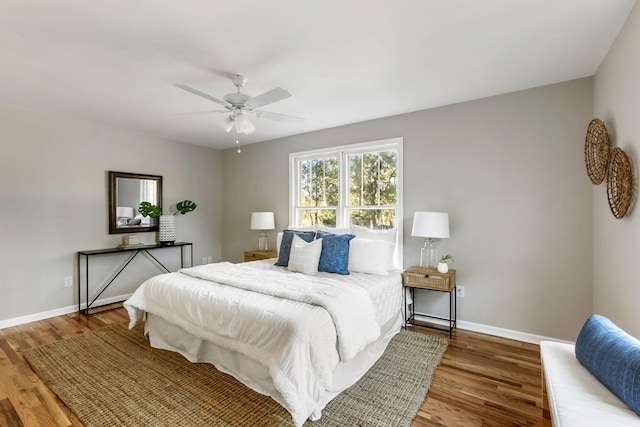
(357, 184)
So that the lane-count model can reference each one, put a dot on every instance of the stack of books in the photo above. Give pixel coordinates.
(130, 241)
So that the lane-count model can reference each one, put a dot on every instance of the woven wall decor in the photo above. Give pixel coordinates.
(597, 148)
(619, 183)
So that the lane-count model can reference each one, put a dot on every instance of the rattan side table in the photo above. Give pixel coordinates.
(259, 255)
(429, 279)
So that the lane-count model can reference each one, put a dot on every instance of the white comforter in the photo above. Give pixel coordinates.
(298, 326)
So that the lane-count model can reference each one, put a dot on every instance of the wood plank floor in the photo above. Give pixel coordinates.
(485, 380)
(482, 380)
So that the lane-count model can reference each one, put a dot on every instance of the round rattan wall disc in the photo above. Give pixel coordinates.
(596, 151)
(619, 183)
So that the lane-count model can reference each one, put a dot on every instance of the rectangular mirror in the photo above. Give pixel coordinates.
(126, 191)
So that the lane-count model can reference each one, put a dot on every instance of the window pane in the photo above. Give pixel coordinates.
(373, 218)
(372, 178)
(319, 182)
(325, 217)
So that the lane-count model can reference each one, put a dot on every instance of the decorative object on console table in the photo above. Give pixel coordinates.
(262, 221)
(167, 228)
(430, 225)
(130, 241)
(258, 255)
(430, 279)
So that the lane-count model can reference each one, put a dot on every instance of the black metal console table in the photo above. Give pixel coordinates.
(134, 250)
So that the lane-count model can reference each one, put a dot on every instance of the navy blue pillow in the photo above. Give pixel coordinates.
(335, 252)
(613, 357)
(285, 245)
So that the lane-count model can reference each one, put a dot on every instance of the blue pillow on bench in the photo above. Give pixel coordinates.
(613, 357)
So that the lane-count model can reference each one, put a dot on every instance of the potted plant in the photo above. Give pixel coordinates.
(443, 267)
(166, 226)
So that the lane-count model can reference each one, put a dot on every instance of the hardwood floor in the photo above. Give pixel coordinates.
(24, 399)
(482, 380)
(485, 380)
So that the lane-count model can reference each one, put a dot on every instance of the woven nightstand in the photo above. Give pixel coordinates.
(258, 255)
(432, 280)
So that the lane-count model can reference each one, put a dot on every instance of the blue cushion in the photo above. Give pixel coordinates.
(285, 245)
(335, 252)
(613, 357)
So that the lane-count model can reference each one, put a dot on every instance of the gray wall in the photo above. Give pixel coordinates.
(508, 169)
(617, 242)
(54, 197)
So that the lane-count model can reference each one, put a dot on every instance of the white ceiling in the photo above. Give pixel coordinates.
(343, 61)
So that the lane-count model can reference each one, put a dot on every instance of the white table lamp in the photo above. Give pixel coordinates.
(124, 212)
(430, 225)
(262, 221)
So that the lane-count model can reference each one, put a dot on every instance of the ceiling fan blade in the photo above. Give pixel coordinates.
(269, 97)
(204, 95)
(278, 117)
(192, 113)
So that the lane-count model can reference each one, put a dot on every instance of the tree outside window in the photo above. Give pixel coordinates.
(348, 185)
(318, 183)
(372, 189)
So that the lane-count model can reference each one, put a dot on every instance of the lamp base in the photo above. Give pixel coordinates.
(262, 241)
(429, 254)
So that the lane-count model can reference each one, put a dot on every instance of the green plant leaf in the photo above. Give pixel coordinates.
(150, 210)
(185, 206)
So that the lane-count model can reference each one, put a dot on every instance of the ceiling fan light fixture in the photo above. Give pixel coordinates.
(228, 124)
(237, 105)
(243, 125)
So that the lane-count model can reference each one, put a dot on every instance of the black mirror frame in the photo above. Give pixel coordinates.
(113, 204)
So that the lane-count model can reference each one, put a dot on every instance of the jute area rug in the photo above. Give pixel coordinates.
(112, 377)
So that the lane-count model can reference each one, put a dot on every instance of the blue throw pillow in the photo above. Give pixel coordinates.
(285, 245)
(613, 357)
(335, 252)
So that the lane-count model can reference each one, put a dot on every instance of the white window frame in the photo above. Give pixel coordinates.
(342, 151)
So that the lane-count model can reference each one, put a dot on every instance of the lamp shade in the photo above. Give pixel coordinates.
(262, 221)
(431, 224)
(228, 124)
(124, 212)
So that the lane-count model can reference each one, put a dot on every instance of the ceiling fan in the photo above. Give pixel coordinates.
(239, 106)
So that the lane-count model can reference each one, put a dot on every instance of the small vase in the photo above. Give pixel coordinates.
(443, 267)
(167, 230)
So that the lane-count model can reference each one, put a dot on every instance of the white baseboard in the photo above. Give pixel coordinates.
(492, 330)
(57, 312)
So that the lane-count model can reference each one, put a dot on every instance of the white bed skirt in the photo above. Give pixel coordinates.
(167, 336)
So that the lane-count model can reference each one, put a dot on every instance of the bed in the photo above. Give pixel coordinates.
(298, 338)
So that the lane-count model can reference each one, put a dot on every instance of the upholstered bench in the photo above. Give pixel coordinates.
(576, 397)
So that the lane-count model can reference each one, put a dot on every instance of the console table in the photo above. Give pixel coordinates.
(133, 252)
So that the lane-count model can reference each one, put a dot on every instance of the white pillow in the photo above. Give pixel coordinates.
(345, 230)
(368, 233)
(304, 257)
(279, 240)
(390, 236)
(370, 256)
(301, 228)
